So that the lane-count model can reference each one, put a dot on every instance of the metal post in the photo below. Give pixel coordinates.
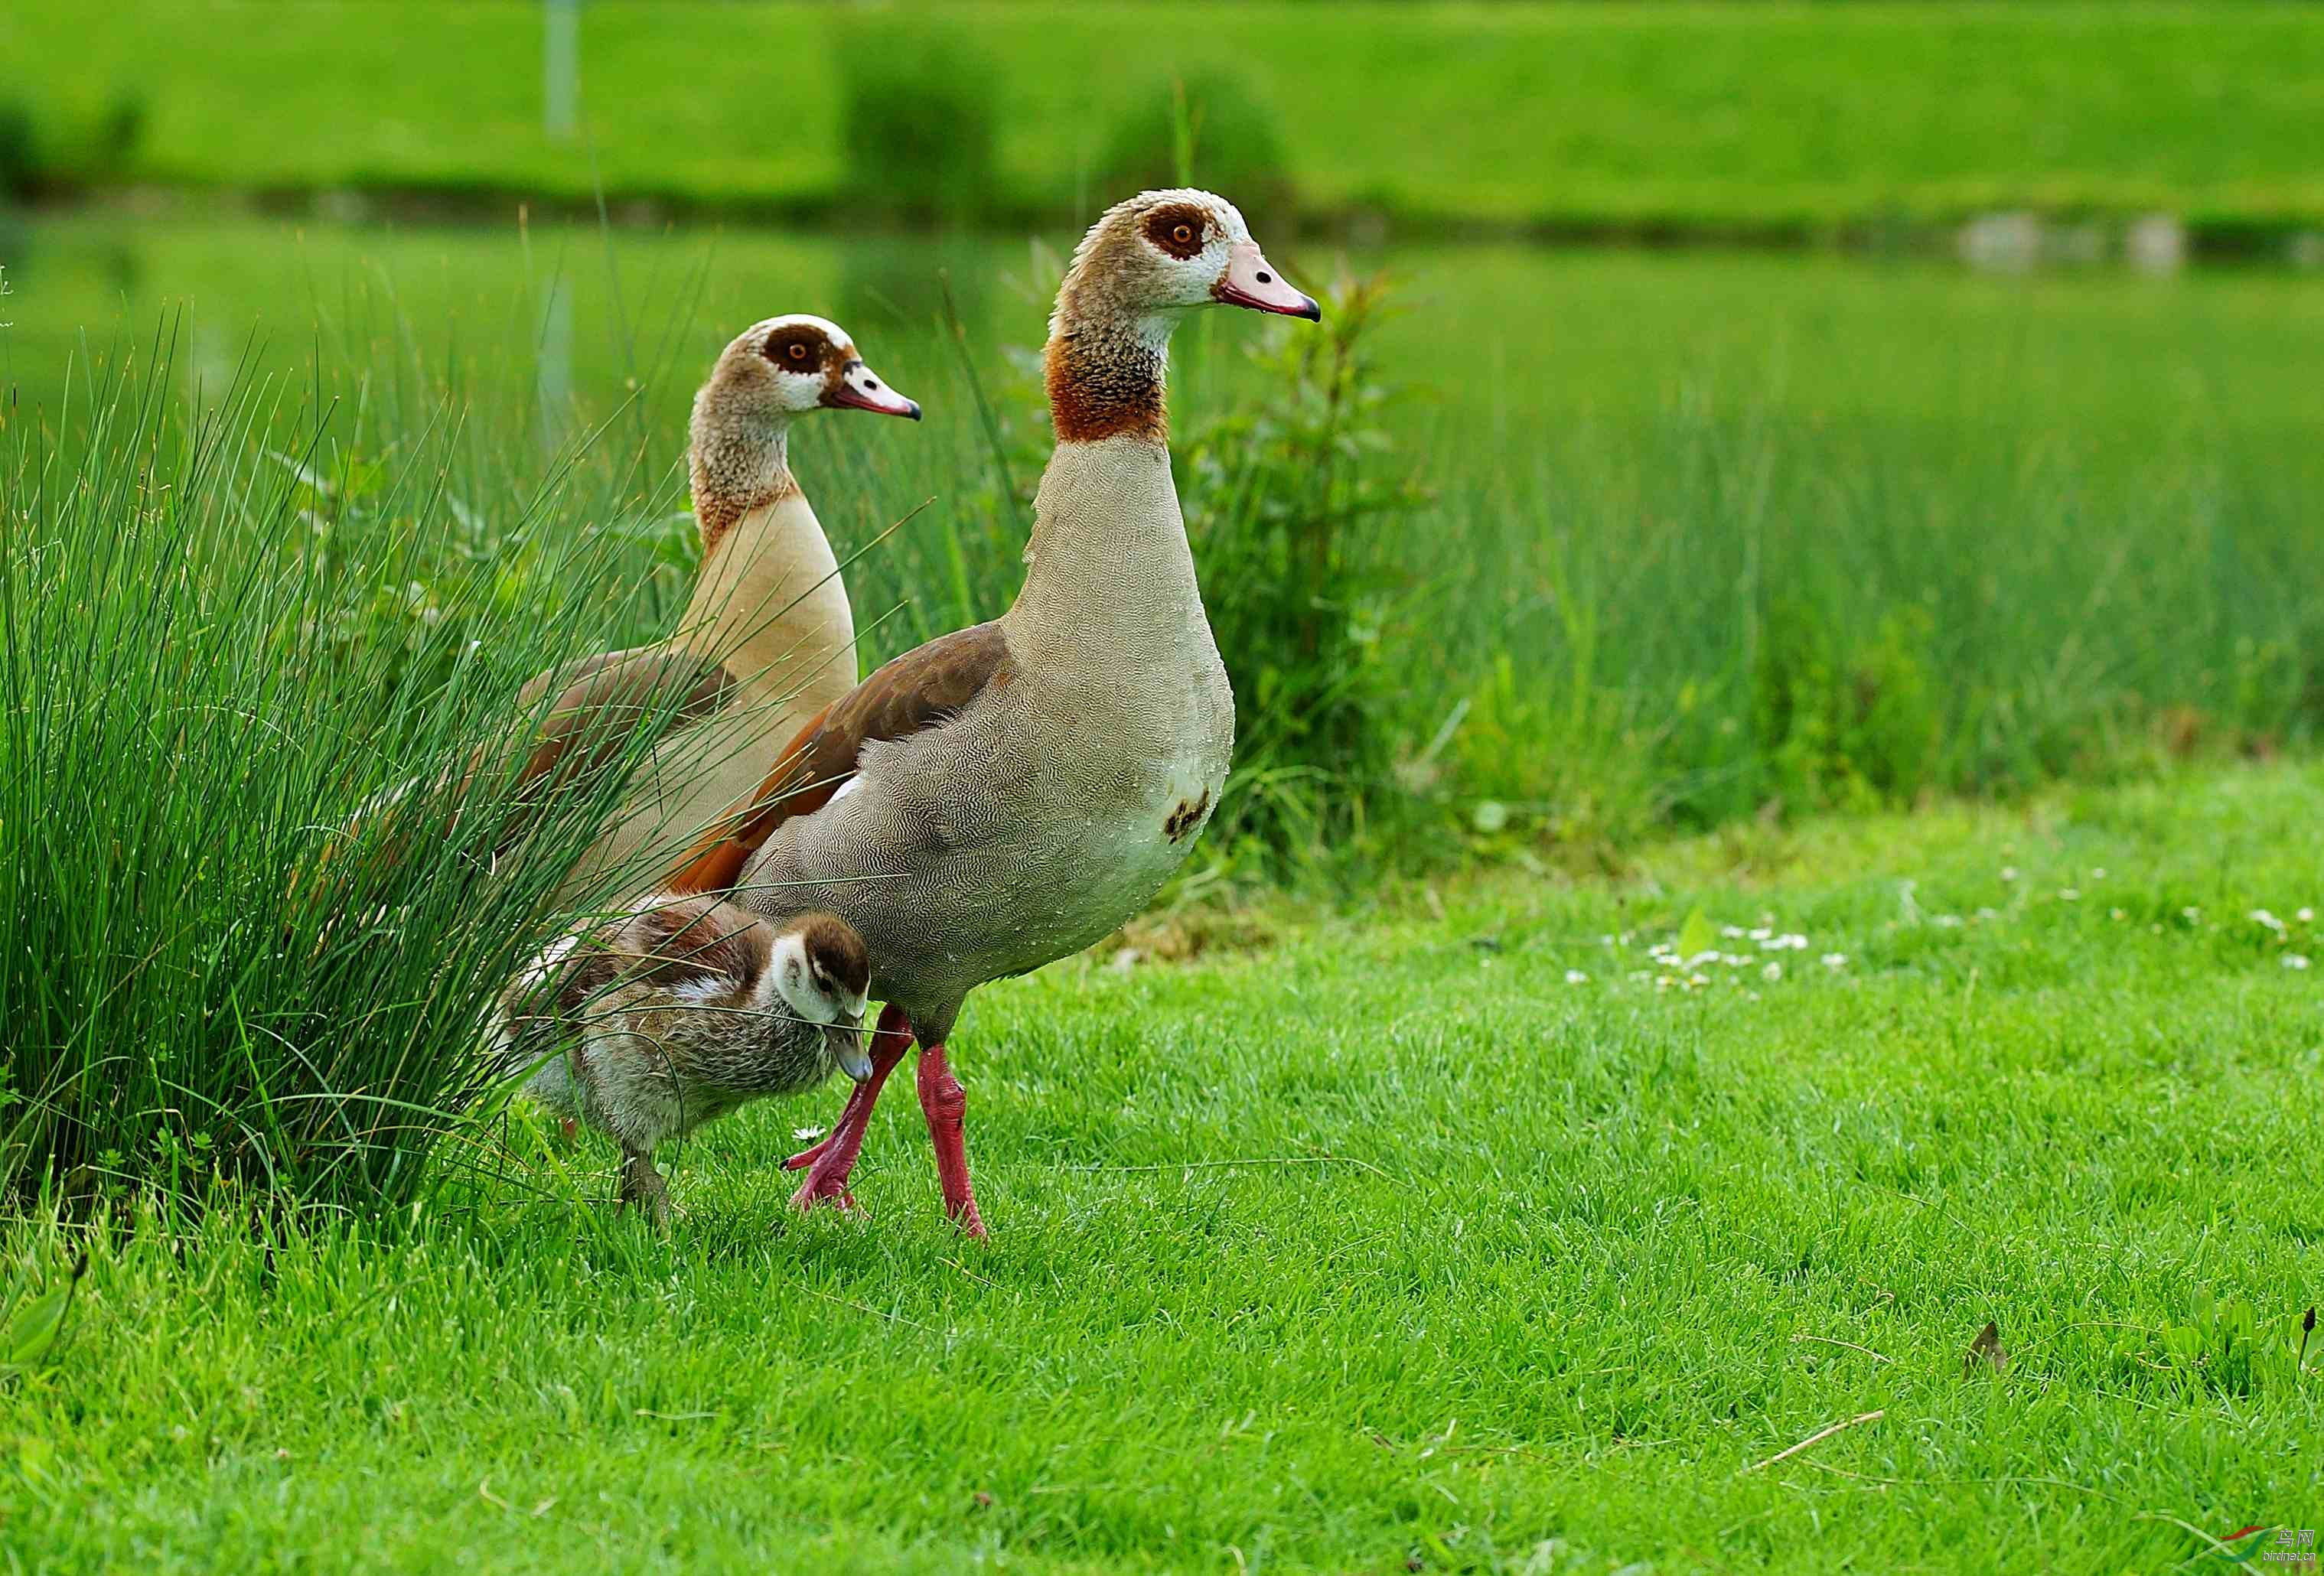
(561, 53)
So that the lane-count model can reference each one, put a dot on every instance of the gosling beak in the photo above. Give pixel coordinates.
(858, 390)
(1251, 281)
(844, 1041)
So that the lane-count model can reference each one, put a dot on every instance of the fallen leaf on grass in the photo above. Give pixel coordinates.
(38, 1326)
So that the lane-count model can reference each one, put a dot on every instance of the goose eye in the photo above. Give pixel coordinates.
(1181, 234)
(796, 351)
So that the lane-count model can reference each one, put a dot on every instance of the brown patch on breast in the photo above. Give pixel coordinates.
(1188, 815)
(1102, 388)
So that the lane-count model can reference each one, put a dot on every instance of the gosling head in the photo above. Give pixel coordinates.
(823, 975)
(1164, 252)
(774, 371)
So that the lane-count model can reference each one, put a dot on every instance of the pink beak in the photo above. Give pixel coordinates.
(858, 390)
(1251, 280)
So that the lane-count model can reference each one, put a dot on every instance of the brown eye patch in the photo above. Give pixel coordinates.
(1178, 228)
(798, 348)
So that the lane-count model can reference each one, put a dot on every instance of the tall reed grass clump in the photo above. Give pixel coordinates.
(217, 644)
(1732, 614)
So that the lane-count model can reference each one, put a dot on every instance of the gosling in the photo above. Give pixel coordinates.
(679, 1012)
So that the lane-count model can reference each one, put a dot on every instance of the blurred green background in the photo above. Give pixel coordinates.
(1659, 118)
(1765, 405)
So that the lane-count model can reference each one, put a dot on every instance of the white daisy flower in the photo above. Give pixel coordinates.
(1835, 960)
(2262, 917)
(2292, 960)
(2008, 872)
(1576, 977)
(1772, 973)
(807, 1134)
(2306, 916)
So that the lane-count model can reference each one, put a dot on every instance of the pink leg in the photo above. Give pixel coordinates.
(892, 1024)
(831, 1160)
(944, 1102)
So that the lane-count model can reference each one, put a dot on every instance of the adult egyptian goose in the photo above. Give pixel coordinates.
(767, 639)
(677, 1013)
(1010, 793)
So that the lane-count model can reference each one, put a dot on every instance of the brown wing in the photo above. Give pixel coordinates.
(667, 946)
(920, 689)
(690, 941)
(607, 699)
(602, 702)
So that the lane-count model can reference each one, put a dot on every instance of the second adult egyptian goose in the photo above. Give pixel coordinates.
(1010, 793)
(767, 639)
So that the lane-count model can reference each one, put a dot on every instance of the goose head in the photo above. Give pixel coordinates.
(782, 367)
(1162, 253)
(823, 975)
(774, 371)
(1144, 266)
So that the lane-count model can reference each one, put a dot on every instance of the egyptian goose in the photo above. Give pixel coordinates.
(673, 1015)
(767, 639)
(1010, 793)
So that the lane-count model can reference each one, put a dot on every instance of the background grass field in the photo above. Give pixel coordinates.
(1760, 118)
(1524, 1273)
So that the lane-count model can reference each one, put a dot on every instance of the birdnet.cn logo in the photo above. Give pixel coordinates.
(2268, 1545)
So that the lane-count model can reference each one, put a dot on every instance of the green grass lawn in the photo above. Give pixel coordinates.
(1600, 114)
(1378, 1242)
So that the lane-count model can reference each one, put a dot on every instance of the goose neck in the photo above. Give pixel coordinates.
(736, 467)
(1107, 368)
